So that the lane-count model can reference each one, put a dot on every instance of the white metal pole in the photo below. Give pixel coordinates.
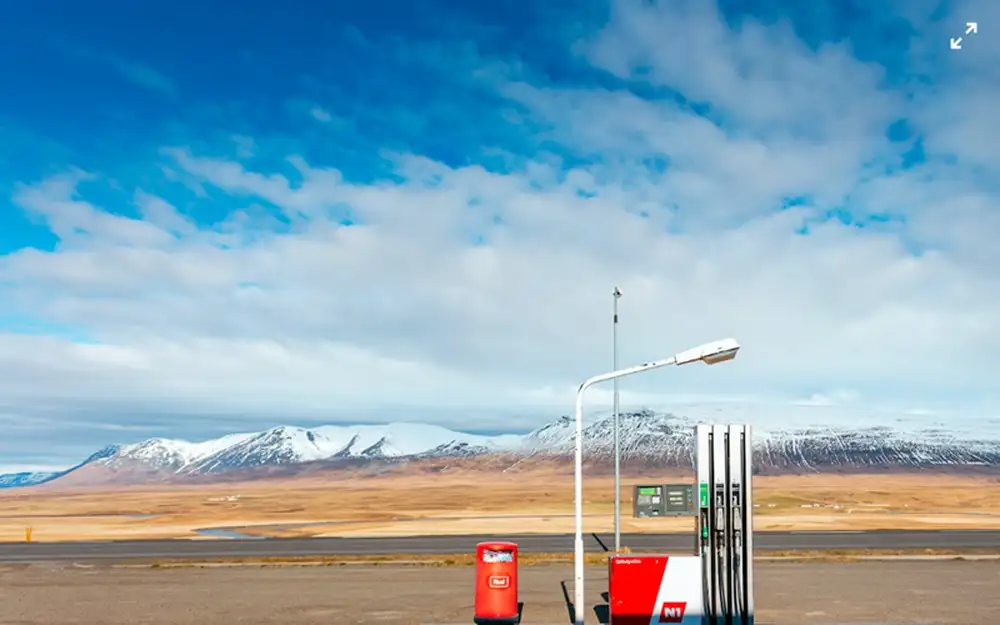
(578, 608)
(618, 452)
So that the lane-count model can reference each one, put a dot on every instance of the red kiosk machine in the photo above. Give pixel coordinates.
(496, 584)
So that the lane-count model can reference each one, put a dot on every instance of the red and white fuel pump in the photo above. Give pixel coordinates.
(715, 585)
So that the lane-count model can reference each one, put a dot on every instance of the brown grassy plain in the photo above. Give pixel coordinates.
(470, 500)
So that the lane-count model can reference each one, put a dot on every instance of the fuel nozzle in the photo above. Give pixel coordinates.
(720, 511)
(720, 531)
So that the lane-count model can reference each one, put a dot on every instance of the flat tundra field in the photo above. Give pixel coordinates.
(926, 592)
(477, 502)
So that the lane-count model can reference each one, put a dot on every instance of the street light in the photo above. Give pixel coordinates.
(710, 354)
(617, 443)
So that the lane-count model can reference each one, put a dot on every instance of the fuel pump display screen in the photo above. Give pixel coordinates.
(649, 501)
(679, 499)
(653, 500)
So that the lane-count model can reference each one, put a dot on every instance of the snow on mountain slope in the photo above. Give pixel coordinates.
(408, 439)
(170, 454)
(668, 440)
(652, 438)
(783, 417)
(642, 434)
(281, 445)
(290, 445)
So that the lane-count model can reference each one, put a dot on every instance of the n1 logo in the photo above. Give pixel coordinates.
(673, 611)
(499, 581)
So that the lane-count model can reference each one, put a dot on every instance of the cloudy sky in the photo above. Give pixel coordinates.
(217, 220)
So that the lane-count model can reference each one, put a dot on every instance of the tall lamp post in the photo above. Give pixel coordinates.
(618, 452)
(710, 354)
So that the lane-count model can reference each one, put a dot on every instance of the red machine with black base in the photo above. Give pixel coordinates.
(496, 584)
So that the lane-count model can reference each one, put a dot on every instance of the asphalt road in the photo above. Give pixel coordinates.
(538, 543)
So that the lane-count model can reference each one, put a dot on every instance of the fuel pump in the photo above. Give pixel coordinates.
(713, 586)
(725, 529)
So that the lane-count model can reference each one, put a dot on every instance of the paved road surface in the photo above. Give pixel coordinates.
(539, 543)
(785, 593)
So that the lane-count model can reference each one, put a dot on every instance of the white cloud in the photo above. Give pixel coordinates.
(759, 74)
(320, 114)
(407, 308)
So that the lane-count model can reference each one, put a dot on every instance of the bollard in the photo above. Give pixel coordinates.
(27, 534)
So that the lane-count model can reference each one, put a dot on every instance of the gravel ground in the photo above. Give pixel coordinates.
(890, 593)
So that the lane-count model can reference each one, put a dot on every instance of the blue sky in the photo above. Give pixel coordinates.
(215, 219)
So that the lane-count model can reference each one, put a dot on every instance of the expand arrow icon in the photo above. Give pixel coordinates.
(971, 28)
(956, 44)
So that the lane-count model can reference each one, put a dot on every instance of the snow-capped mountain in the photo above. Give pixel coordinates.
(293, 445)
(669, 440)
(643, 435)
(649, 438)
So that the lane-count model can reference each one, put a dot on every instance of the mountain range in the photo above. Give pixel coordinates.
(648, 438)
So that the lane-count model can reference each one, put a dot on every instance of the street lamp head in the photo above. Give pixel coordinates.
(710, 353)
(721, 356)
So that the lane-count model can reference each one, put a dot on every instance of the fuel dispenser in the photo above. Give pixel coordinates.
(496, 600)
(715, 585)
(725, 526)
